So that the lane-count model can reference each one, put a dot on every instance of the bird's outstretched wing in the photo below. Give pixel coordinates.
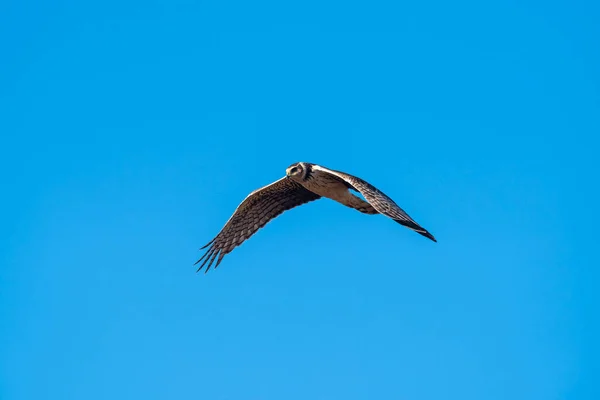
(253, 213)
(379, 200)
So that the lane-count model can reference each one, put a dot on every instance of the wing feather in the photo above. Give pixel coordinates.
(257, 209)
(379, 200)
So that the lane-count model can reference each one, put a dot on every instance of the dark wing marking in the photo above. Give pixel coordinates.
(379, 200)
(260, 207)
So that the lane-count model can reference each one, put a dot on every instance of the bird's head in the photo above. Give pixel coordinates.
(297, 171)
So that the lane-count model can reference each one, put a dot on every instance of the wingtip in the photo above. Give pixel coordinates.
(198, 270)
(417, 228)
(428, 235)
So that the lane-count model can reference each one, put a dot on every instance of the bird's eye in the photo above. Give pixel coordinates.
(294, 170)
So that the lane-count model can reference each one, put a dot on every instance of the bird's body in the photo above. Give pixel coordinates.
(304, 182)
(327, 185)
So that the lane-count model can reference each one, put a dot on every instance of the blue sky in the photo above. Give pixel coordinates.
(131, 131)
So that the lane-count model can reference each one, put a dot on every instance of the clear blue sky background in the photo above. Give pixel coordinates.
(131, 130)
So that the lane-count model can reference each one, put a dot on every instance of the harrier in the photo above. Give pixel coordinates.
(304, 182)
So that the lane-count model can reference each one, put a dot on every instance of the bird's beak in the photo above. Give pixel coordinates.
(287, 172)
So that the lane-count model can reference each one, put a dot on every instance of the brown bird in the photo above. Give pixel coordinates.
(304, 182)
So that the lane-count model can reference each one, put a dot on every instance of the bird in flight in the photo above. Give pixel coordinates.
(303, 182)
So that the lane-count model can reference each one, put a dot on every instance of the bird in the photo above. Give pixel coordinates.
(303, 182)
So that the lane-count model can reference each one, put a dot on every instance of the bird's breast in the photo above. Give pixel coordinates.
(325, 185)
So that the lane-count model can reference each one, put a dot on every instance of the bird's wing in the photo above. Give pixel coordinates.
(379, 200)
(253, 213)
